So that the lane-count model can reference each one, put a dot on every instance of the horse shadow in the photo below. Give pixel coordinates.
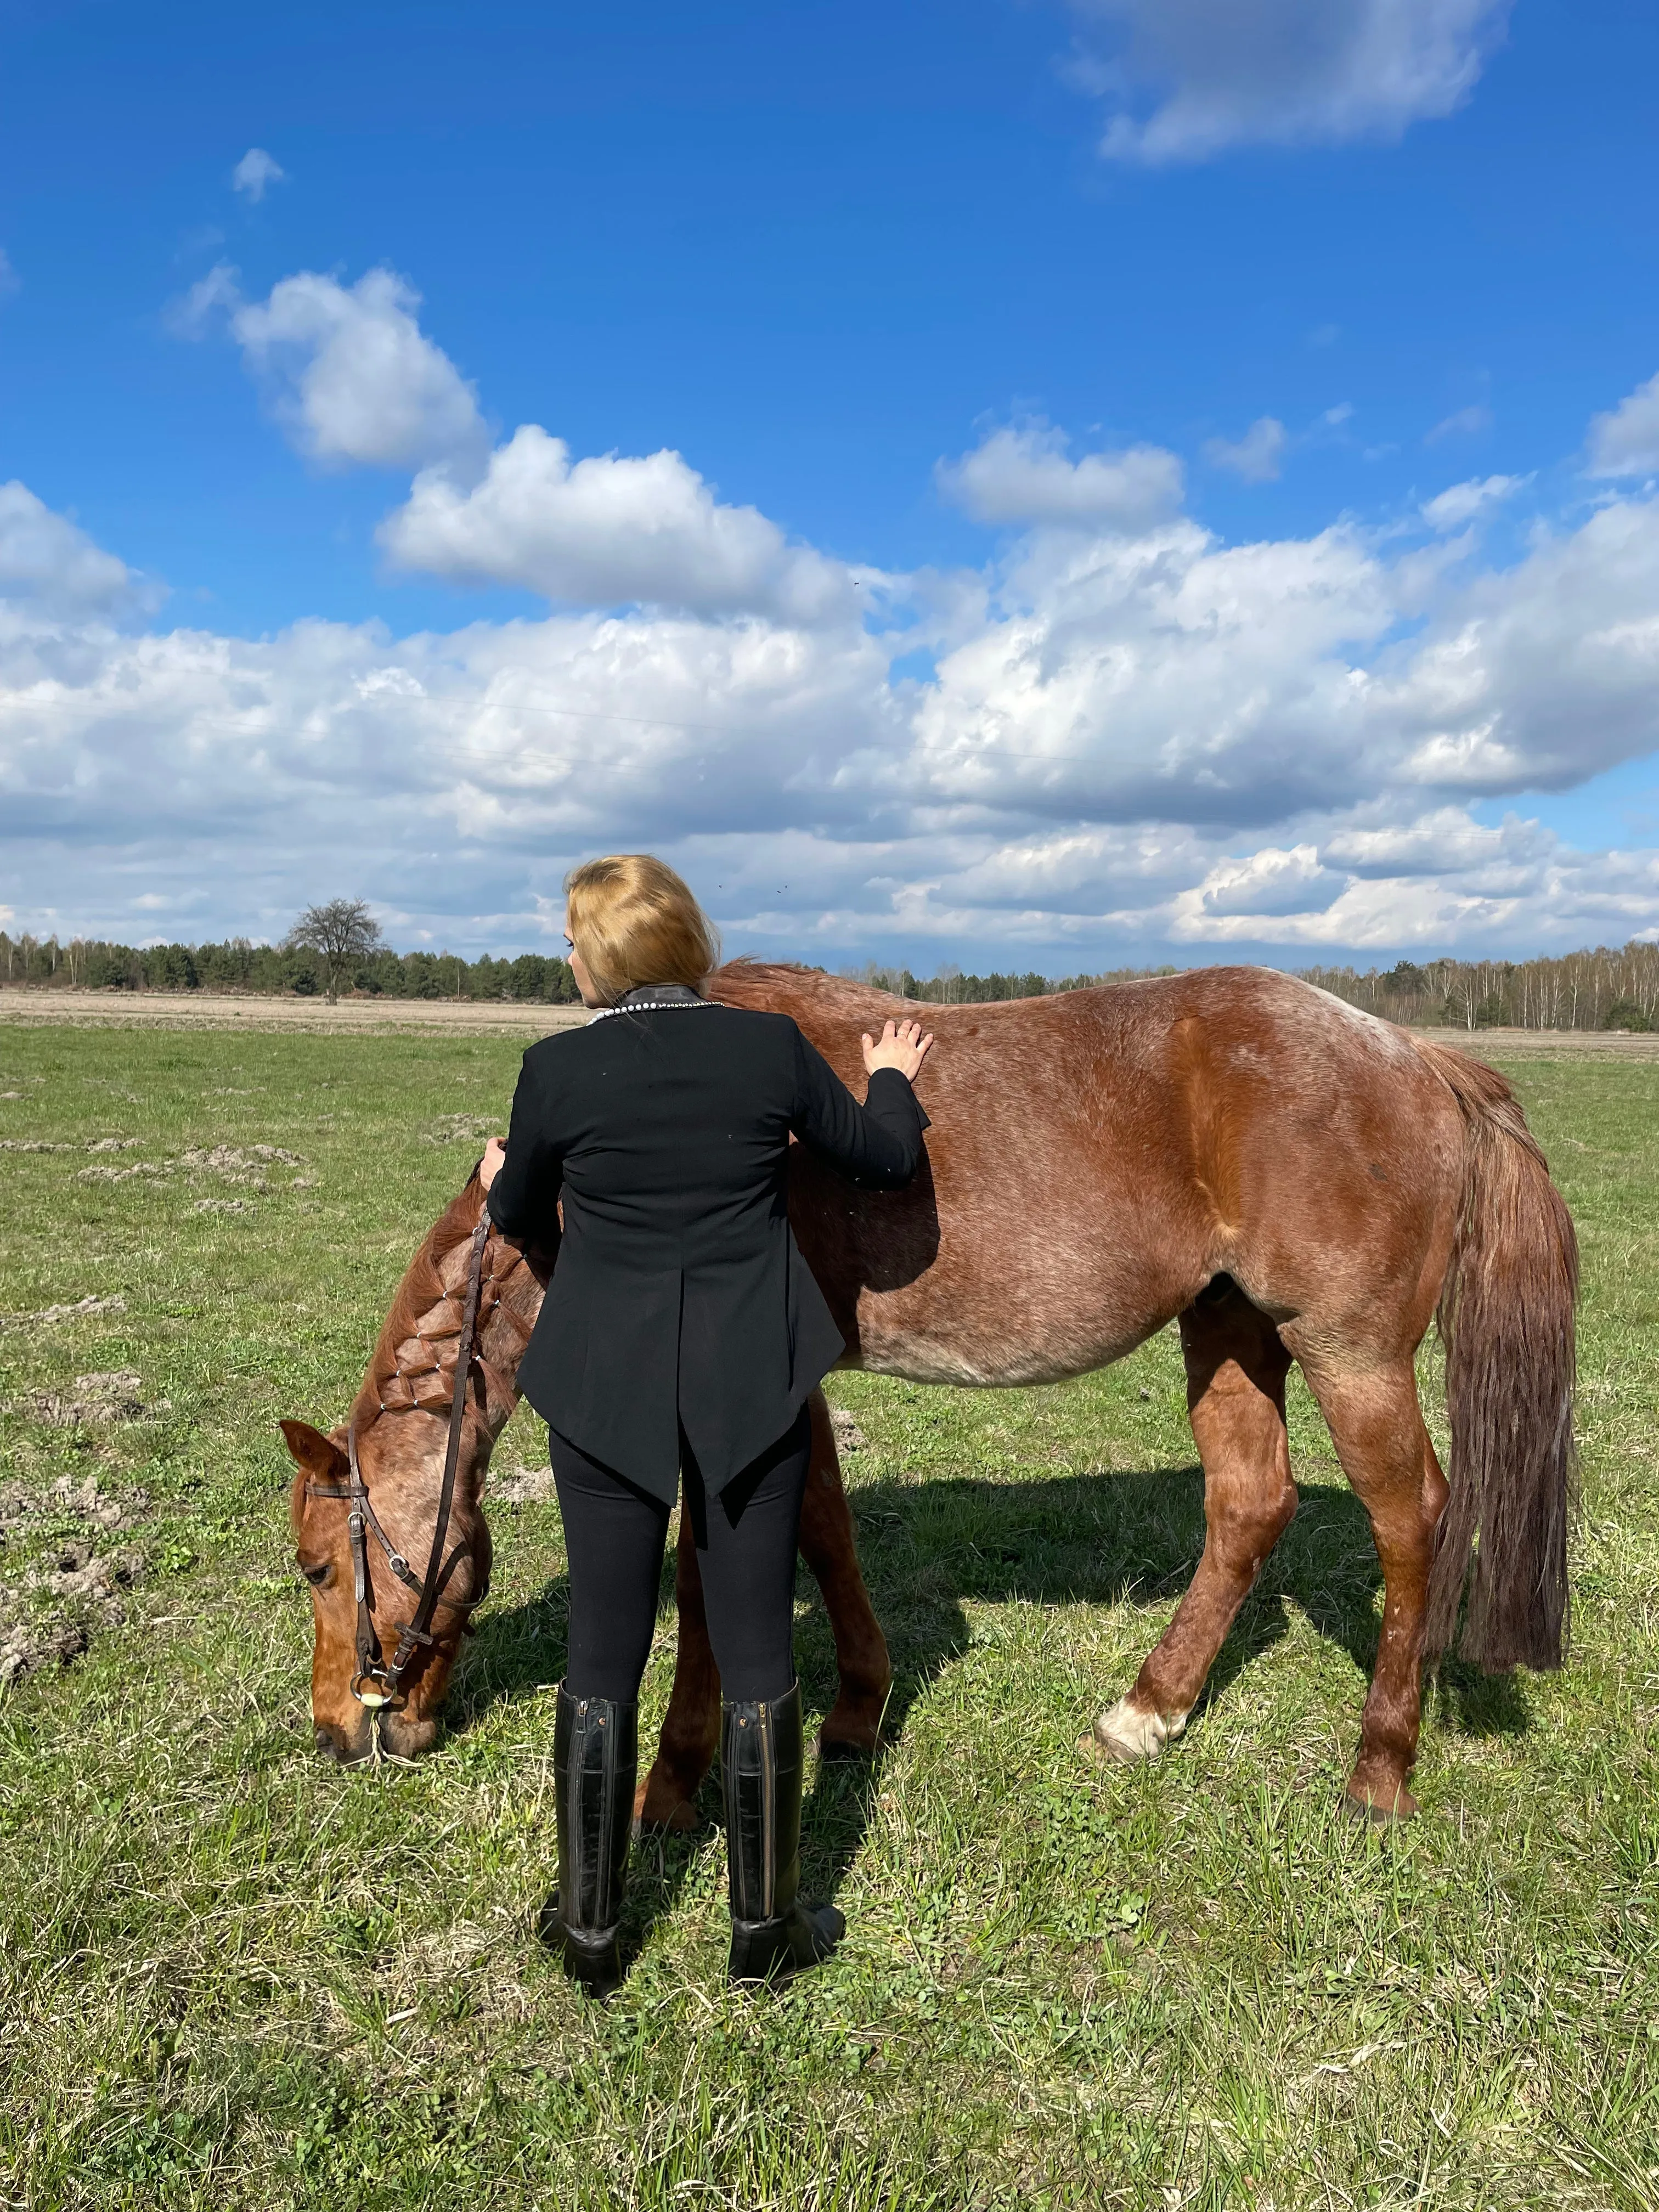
(931, 1548)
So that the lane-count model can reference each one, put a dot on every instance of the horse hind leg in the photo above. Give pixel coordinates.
(852, 1725)
(1376, 1424)
(1235, 1370)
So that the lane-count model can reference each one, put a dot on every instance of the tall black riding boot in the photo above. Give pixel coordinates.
(595, 1757)
(773, 1934)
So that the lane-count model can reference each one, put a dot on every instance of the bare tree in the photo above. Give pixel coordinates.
(344, 932)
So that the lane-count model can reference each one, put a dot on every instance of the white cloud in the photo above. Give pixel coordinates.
(354, 378)
(1165, 677)
(1172, 678)
(1187, 79)
(1258, 455)
(1129, 738)
(1467, 422)
(1271, 882)
(1625, 441)
(256, 172)
(1023, 476)
(49, 565)
(608, 531)
(351, 376)
(1447, 842)
(1537, 677)
(218, 293)
(1461, 503)
(1555, 899)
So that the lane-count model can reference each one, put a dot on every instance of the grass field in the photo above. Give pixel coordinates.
(232, 1977)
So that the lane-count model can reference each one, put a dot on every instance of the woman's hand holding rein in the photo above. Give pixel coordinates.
(902, 1046)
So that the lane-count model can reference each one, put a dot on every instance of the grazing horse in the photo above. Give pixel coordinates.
(1284, 1176)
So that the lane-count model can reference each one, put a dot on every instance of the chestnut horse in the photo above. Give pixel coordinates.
(1284, 1176)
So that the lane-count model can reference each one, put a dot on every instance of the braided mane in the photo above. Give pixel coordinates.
(413, 1362)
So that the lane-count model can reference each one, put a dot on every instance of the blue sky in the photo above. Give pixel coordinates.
(960, 482)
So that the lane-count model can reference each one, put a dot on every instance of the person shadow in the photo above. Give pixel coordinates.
(931, 1548)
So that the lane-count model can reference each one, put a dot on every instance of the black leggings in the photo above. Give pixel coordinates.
(746, 1538)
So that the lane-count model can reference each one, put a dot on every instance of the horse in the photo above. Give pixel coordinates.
(1284, 1176)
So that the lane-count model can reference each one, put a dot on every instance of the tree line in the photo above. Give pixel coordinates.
(950, 987)
(237, 964)
(1599, 989)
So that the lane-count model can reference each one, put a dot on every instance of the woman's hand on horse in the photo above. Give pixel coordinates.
(902, 1046)
(490, 1166)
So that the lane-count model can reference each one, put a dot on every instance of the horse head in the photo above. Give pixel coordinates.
(394, 1574)
(398, 1462)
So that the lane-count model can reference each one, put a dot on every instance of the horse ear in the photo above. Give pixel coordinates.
(319, 1456)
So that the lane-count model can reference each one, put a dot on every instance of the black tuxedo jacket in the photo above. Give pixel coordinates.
(680, 1297)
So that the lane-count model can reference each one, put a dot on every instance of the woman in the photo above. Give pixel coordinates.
(678, 1341)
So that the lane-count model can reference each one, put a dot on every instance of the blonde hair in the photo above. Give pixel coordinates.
(635, 921)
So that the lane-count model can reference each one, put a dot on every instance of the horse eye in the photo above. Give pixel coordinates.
(320, 1573)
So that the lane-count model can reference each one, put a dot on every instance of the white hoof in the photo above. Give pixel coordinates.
(1124, 1732)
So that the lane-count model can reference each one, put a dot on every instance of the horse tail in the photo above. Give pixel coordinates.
(1506, 1319)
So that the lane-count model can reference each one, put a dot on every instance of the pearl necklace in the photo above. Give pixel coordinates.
(650, 1006)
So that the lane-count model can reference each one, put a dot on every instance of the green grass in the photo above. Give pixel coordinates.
(230, 1976)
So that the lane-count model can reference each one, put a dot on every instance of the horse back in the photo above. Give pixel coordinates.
(1097, 1156)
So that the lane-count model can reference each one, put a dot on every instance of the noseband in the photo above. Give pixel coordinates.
(377, 1682)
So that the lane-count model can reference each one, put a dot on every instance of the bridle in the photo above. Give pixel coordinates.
(377, 1682)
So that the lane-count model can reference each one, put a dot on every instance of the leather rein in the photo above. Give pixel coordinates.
(377, 1682)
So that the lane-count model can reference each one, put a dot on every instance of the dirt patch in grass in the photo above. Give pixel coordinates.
(24, 1649)
(520, 1485)
(79, 1582)
(850, 1436)
(112, 1395)
(68, 1500)
(234, 1161)
(54, 1145)
(76, 1570)
(244, 1164)
(463, 1129)
(46, 1316)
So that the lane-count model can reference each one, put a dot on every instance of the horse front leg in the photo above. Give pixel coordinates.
(691, 1726)
(831, 1551)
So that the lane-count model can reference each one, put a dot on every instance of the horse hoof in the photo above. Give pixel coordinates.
(840, 1753)
(1123, 1735)
(1380, 1812)
(849, 1743)
(852, 1729)
(674, 1819)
